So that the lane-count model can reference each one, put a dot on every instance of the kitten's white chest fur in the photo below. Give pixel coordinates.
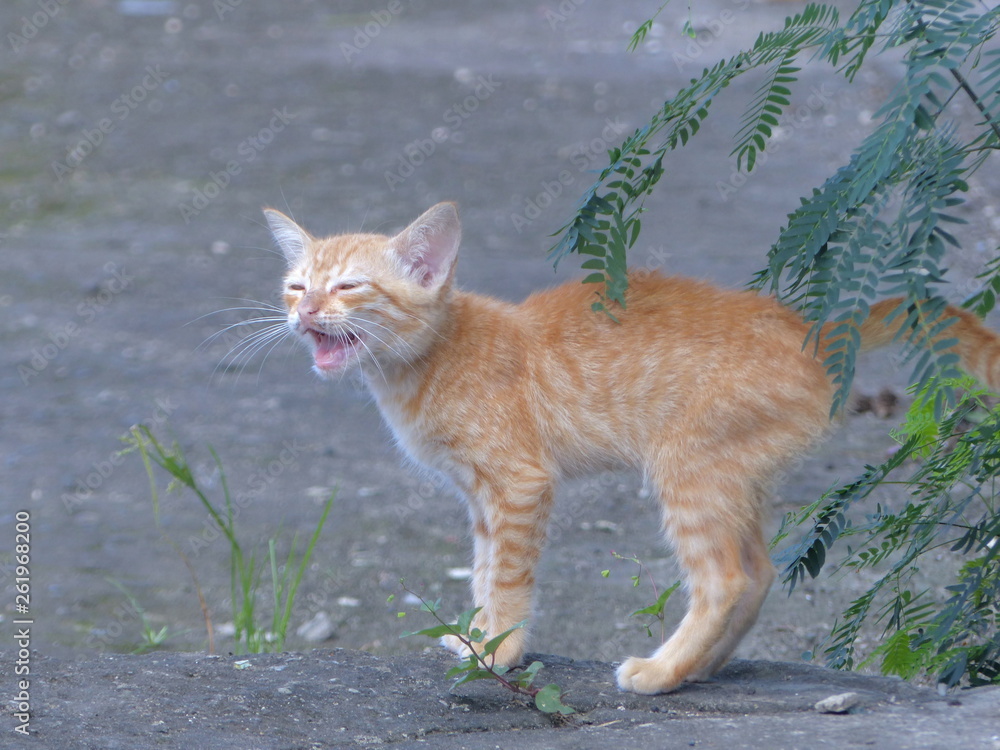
(415, 438)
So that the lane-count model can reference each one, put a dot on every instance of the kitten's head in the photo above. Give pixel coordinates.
(368, 299)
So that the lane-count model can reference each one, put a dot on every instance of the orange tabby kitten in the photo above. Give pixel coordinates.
(708, 392)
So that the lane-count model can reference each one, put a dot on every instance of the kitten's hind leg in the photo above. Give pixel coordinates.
(509, 530)
(707, 525)
(758, 567)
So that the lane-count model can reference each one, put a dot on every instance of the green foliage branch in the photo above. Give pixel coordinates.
(951, 508)
(480, 663)
(879, 226)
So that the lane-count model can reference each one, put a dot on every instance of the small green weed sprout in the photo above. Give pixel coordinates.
(657, 608)
(151, 638)
(480, 664)
(245, 570)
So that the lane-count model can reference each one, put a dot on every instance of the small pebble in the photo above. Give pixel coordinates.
(838, 704)
(317, 629)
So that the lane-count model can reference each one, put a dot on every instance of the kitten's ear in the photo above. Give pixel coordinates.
(429, 246)
(291, 238)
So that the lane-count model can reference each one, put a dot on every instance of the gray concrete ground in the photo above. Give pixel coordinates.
(353, 699)
(138, 143)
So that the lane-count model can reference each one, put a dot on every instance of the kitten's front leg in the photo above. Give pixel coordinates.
(509, 530)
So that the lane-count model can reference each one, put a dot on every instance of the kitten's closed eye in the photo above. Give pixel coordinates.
(297, 287)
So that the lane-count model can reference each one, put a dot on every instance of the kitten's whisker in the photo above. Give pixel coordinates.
(359, 324)
(257, 306)
(244, 350)
(252, 321)
(399, 338)
(254, 335)
(259, 303)
(237, 309)
(427, 325)
(272, 305)
(365, 217)
(262, 319)
(257, 338)
(372, 355)
(384, 343)
(277, 340)
(248, 354)
(262, 333)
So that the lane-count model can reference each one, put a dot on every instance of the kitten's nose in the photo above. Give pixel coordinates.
(308, 308)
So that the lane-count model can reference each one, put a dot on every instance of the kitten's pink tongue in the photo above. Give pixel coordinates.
(331, 352)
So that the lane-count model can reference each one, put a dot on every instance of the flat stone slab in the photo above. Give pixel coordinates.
(343, 698)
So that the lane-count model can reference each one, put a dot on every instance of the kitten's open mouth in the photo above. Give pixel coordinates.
(333, 350)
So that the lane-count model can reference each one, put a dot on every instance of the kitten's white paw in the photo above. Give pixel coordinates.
(453, 644)
(509, 654)
(645, 676)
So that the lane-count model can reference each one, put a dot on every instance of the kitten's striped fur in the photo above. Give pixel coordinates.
(708, 392)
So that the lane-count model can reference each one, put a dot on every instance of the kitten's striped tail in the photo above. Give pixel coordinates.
(978, 347)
